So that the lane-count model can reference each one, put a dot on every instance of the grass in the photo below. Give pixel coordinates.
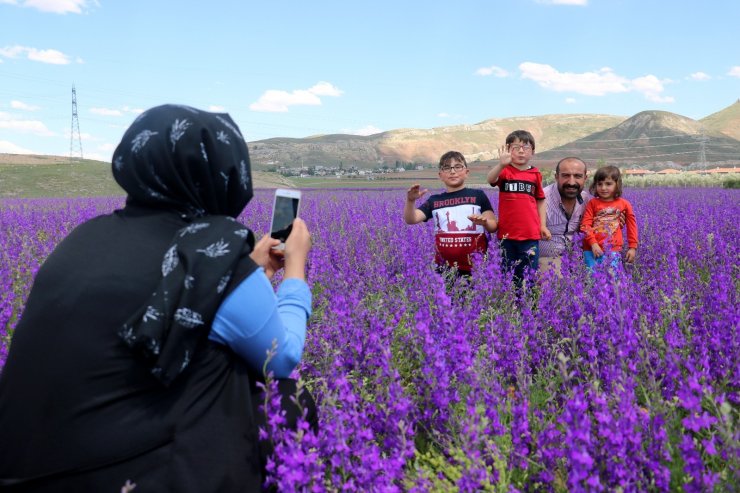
(65, 179)
(52, 176)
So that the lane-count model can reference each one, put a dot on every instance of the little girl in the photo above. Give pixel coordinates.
(601, 220)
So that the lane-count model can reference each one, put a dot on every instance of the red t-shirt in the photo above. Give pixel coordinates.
(517, 203)
(601, 223)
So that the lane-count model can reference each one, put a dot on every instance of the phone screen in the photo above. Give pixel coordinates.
(286, 209)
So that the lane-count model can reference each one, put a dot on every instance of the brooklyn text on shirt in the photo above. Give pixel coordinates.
(438, 204)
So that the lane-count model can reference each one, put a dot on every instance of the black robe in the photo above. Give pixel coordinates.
(80, 412)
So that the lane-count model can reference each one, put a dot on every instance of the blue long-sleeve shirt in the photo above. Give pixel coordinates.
(252, 317)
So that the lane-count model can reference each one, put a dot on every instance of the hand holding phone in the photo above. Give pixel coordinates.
(284, 211)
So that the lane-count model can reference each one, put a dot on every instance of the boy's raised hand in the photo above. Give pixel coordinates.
(504, 156)
(415, 193)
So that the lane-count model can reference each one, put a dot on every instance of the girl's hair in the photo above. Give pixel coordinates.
(452, 155)
(605, 173)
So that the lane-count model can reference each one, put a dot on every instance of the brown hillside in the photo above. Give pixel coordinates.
(650, 138)
(478, 142)
(726, 121)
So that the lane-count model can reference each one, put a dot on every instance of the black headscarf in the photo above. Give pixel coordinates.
(194, 163)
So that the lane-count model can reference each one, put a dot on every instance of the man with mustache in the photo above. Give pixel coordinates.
(565, 201)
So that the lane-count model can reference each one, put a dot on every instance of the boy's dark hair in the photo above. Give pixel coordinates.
(449, 156)
(605, 173)
(522, 135)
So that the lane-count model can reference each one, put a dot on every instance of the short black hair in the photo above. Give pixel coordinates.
(449, 156)
(571, 158)
(522, 136)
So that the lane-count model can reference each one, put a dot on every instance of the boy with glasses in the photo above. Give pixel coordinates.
(521, 204)
(462, 216)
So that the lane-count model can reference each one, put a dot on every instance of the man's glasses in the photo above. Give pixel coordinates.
(517, 148)
(457, 168)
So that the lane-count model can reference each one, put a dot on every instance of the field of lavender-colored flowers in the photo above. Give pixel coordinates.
(604, 382)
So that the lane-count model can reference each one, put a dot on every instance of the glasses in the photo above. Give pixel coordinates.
(517, 148)
(446, 169)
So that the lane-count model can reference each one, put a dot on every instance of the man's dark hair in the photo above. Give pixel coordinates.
(571, 158)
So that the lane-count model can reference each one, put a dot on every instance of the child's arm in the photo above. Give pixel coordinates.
(504, 159)
(631, 222)
(487, 219)
(542, 211)
(587, 223)
(412, 215)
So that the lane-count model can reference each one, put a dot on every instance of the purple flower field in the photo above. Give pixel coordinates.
(626, 381)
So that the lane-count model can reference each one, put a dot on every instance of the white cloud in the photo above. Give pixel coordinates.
(734, 71)
(216, 108)
(54, 57)
(325, 89)
(651, 87)
(20, 105)
(10, 148)
(366, 130)
(8, 122)
(599, 83)
(134, 111)
(276, 101)
(12, 51)
(570, 100)
(699, 76)
(581, 3)
(54, 6)
(96, 156)
(449, 116)
(492, 70)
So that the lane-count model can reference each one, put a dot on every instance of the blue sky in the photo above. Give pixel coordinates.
(298, 68)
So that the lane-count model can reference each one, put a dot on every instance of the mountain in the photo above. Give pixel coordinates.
(726, 121)
(653, 137)
(478, 142)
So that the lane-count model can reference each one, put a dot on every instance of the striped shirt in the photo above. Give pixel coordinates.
(561, 227)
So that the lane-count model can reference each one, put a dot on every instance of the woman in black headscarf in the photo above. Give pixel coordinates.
(136, 356)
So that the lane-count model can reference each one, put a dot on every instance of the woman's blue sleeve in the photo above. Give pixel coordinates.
(252, 317)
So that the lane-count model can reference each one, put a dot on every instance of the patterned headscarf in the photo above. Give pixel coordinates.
(182, 158)
(195, 163)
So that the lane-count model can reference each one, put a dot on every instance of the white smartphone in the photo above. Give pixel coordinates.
(284, 210)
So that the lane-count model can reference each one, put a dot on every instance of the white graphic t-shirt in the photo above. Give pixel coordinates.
(456, 237)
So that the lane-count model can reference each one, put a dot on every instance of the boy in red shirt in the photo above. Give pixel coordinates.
(461, 215)
(521, 204)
